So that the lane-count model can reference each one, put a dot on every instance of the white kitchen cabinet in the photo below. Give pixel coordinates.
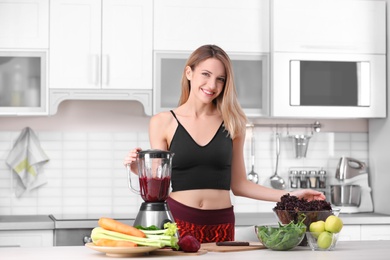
(101, 50)
(26, 238)
(250, 76)
(375, 232)
(101, 44)
(350, 232)
(329, 26)
(233, 25)
(24, 24)
(23, 82)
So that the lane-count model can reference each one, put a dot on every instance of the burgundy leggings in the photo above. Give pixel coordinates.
(205, 225)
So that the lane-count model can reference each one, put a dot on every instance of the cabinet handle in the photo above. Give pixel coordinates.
(95, 69)
(106, 69)
(87, 239)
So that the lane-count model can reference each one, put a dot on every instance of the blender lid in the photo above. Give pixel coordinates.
(155, 153)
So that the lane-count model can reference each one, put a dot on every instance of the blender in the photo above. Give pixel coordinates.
(154, 174)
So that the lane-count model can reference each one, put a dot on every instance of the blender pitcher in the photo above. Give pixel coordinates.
(154, 174)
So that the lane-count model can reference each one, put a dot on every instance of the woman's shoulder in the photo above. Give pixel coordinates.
(162, 118)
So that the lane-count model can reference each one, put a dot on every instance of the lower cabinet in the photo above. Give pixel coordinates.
(365, 232)
(26, 238)
(375, 232)
(350, 233)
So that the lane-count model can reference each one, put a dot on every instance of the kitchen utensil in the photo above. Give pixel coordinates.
(350, 189)
(277, 182)
(345, 195)
(252, 175)
(349, 168)
(301, 143)
(232, 243)
(213, 247)
(154, 174)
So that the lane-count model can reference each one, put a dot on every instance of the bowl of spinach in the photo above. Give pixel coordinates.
(282, 237)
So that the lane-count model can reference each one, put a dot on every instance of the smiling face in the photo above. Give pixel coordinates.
(207, 79)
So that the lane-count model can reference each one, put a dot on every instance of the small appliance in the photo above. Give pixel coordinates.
(154, 175)
(350, 191)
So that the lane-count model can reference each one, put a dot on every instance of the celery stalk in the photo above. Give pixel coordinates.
(150, 240)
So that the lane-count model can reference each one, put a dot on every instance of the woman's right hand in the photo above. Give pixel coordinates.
(131, 157)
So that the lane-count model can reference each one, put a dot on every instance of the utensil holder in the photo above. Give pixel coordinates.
(301, 143)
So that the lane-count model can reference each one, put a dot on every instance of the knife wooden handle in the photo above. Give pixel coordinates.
(232, 243)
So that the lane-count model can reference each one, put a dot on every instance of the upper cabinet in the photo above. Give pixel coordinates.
(101, 45)
(240, 28)
(250, 76)
(235, 26)
(328, 59)
(324, 26)
(24, 43)
(24, 24)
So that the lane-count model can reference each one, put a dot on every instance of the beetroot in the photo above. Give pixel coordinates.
(189, 243)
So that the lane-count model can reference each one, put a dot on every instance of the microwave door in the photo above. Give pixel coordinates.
(364, 88)
(329, 83)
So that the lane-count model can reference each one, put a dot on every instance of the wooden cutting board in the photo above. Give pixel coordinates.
(212, 247)
(170, 252)
(208, 247)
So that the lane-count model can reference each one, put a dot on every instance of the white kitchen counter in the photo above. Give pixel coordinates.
(345, 250)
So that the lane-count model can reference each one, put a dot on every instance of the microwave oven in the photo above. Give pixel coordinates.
(23, 83)
(251, 76)
(314, 85)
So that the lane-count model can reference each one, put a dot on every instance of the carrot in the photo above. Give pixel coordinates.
(114, 225)
(114, 243)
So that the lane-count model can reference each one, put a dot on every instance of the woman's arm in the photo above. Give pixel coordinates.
(158, 131)
(156, 139)
(241, 186)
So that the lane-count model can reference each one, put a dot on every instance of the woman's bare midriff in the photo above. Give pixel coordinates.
(203, 199)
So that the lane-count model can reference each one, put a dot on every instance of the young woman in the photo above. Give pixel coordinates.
(207, 133)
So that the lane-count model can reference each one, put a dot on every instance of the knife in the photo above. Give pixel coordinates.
(232, 243)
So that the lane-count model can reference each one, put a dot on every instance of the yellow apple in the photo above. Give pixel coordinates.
(317, 227)
(333, 224)
(324, 240)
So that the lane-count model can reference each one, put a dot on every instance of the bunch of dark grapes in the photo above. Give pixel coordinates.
(293, 203)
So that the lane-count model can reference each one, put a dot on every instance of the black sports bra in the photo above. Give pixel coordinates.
(201, 167)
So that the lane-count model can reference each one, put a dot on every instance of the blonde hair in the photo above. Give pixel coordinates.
(227, 103)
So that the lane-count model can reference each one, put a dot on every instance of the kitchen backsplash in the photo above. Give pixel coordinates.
(86, 173)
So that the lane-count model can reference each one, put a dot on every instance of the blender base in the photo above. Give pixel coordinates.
(153, 213)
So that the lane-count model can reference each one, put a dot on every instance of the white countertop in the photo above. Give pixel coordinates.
(345, 250)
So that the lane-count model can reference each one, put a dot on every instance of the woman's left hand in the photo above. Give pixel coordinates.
(309, 194)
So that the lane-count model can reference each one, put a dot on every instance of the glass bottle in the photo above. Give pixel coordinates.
(303, 183)
(294, 179)
(313, 179)
(322, 179)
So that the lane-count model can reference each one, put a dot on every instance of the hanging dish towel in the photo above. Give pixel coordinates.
(26, 160)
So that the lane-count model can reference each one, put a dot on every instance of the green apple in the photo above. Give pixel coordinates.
(324, 240)
(333, 224)
(317, 228)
